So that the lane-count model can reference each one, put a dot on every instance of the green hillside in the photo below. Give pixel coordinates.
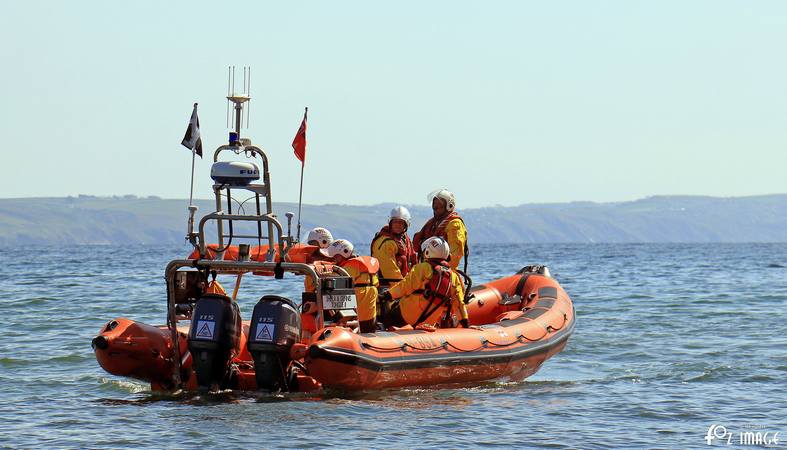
(151, 220)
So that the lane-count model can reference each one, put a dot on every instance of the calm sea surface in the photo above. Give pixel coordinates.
(670, 340)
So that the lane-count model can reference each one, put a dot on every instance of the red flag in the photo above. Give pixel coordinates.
(299, 143)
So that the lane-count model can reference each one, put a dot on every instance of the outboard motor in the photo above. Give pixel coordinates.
(214, 338)
(275, 327)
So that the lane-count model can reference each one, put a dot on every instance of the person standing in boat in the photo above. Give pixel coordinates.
(430, 291)
(446, 224)
(393, 248)
(363, 270)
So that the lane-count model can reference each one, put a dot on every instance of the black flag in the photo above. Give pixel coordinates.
(192, 139)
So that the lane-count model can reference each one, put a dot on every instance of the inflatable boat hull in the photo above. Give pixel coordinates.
(517, 323)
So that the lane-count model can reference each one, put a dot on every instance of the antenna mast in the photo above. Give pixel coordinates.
(238, 98)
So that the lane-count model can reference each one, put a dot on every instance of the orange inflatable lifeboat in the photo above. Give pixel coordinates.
(517, 323)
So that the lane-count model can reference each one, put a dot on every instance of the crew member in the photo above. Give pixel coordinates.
(320, 237)
(431, 289)
(446, 224)
(363, 270)
(309, 253)
(392, 247)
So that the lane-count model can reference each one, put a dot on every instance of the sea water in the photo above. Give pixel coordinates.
(676, 346)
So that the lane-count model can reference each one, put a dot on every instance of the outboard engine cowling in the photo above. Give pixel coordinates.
(214, 338)
(275, 327)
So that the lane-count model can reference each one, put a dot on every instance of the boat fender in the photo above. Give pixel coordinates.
(278, 272)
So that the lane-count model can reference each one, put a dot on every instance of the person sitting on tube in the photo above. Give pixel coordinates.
(429, 292)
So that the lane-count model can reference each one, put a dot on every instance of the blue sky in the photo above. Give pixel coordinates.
(502, 102)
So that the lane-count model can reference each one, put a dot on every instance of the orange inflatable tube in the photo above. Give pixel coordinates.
(517, 323)
(517, 330)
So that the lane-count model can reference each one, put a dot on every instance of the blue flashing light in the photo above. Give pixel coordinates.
(233, 138)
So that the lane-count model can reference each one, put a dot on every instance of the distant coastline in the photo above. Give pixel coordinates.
(152, 220)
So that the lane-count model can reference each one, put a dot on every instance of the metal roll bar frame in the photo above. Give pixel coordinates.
(219, 214)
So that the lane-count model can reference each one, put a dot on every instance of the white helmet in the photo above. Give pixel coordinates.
(435, 248)
(321, 236)
(401, 213)
(445, 195)
(339, 247)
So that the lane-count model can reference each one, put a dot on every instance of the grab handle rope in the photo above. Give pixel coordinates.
(519, 339)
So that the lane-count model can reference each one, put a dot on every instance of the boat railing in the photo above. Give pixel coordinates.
(272, 222)
(269, 229)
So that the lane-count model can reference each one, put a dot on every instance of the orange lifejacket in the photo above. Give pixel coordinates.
(433, 228)
(406, 257)
(365, 265)
(302, 253)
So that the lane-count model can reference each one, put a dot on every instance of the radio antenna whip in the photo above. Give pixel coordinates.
(229, 75)
(248, 93)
